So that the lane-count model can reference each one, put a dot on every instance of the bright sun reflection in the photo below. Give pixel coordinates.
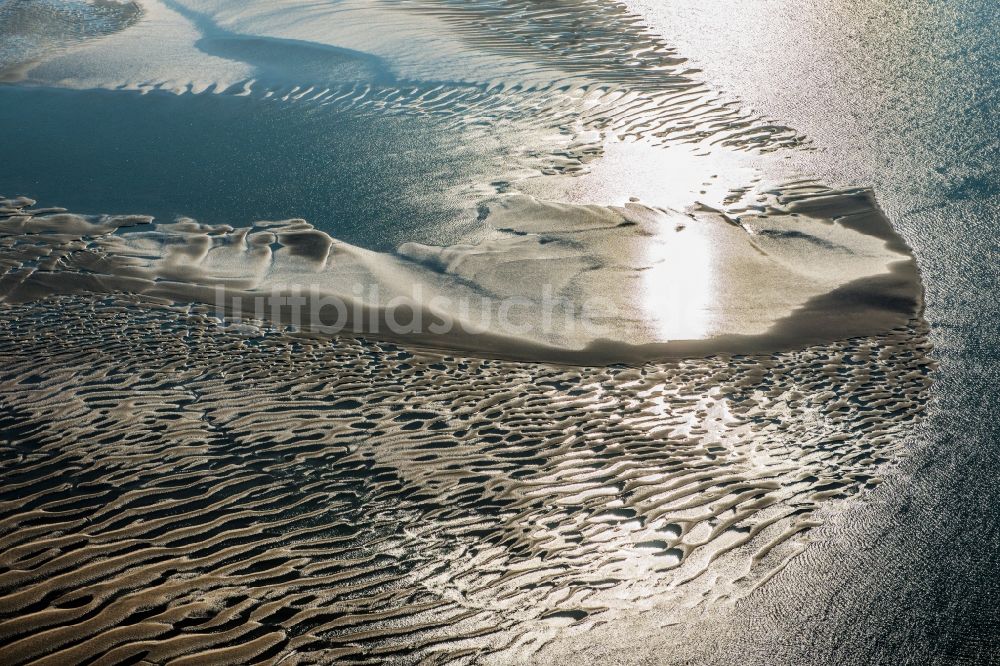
(678, 287)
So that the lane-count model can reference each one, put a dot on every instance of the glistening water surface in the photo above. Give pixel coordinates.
(176, 487)
(901, 95)
(224, 159)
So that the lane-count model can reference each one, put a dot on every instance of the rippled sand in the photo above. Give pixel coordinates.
(175, 491)
(186, 484)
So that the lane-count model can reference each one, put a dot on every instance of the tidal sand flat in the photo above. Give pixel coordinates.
(582, 284)
(416, 333)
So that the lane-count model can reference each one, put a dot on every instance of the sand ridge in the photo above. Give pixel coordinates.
(560, 282)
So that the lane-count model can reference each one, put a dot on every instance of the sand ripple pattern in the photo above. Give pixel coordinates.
(589, 67)
(176, 492)
(681, 113)
(645, 89)
(601, 39)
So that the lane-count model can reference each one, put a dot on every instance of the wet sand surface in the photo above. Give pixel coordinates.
(178, 492)
(701, 480)
(557, 282)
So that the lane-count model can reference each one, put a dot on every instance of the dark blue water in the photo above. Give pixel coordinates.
(912, 574)
(376, 180)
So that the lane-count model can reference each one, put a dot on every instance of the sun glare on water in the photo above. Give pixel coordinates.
(677, 290)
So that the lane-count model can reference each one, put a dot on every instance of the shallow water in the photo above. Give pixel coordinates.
(228, 160)
(905, 101)
(374, 501)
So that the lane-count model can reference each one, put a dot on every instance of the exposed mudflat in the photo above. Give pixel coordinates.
(174, 490)
(555, 282)
(438, 331)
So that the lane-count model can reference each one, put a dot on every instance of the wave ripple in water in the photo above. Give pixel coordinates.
(42, 27)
